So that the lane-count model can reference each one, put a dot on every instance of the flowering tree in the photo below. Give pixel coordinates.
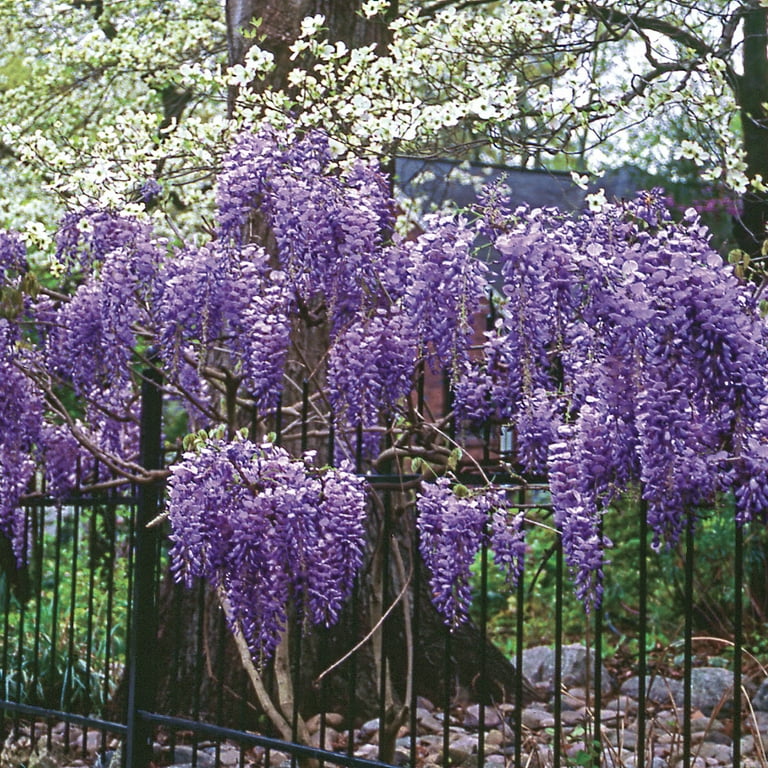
(539, 86)
(226, 322)
(625, 353)
(304, 288)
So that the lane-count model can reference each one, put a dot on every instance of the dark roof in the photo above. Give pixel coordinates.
(447, 181)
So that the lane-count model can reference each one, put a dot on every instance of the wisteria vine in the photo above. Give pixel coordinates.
(625, 354)
(453, 527)
(268, 531)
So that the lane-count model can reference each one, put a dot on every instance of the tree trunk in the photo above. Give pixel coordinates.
(752, 95)
(355, 687)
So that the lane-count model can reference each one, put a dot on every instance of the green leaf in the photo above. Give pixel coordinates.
(11, 302)
(461, 491)
(30, 285)
(454, 458)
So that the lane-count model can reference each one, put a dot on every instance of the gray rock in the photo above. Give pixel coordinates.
(656, 762)
(465, 742)
(536, 719)
(402, 757)
(615, 758)
(760, 719)
(611, 717)
(499, 738)
(277, 758)
(625, 738)
(747, 744)
(575, 749)
(697, 762)
(576, 698)
(229, 756)
(183, 754)
(492, 717)
(718, 737)
(572, 717)
(659, 690)
(760, 699)
(539, 666)
(711, 688)
(720, 752)
(460, 750)
(369, 729)
(622, 704)
(706, 725)
(427, 722)
(367, 751)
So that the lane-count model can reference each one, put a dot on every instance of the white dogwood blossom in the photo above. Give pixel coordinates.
(93, 104)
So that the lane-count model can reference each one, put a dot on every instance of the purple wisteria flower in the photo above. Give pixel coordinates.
(217, 298)
(327, 221)
(625, 353)
(91, 339)
(13, 254)
(452, 529)
(371, 366)
(21, 416)
(89, 235)
(266, 530)
(150, 191)
(445, 283)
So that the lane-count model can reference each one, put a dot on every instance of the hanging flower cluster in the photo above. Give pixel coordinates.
(216, 299)
(21, 416)
(267, 531)
(388, 304)
(626, 352)
(452, 530)
(327, 221)
(90, 339)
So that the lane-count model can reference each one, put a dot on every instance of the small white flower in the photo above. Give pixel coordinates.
(311, 25)
(372, 8)
(238, 76)
(36, 236)
(757, 182)
(580, 180)
(596, 201)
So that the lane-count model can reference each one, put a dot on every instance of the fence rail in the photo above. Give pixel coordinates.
(103, 659)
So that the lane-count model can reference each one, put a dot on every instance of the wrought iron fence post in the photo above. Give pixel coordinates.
(141, 675)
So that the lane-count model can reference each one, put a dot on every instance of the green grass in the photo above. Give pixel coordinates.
(65, 648)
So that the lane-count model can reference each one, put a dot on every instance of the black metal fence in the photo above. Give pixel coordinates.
(105, 661)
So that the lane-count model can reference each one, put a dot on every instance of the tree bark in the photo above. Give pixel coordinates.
(752, 96)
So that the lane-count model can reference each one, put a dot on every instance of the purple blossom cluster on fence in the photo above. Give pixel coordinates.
(268, 531)
(625, 354)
